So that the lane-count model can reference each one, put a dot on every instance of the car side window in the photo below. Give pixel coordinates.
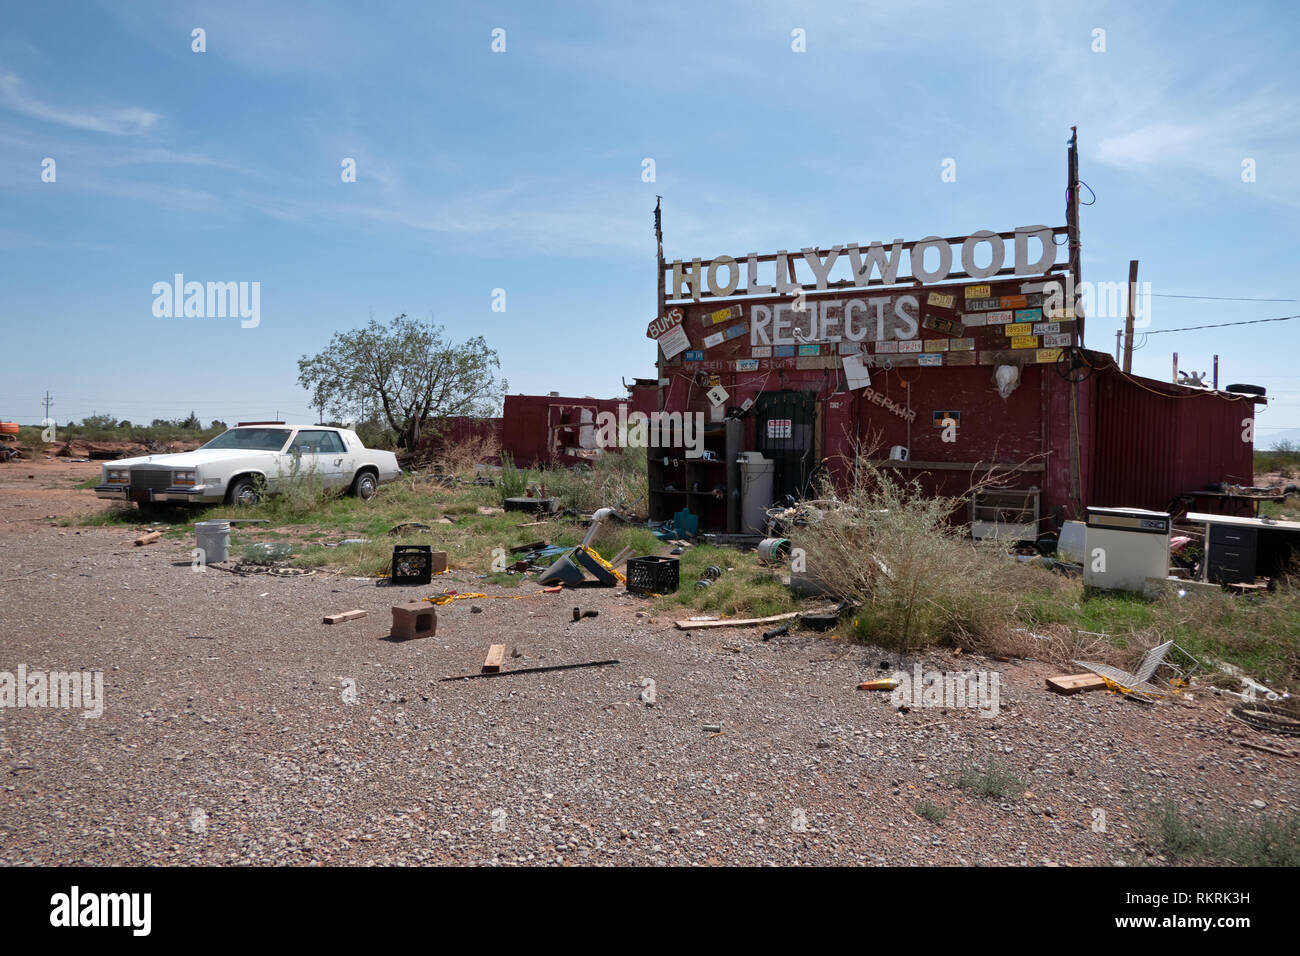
(307, 442)
(330, 443)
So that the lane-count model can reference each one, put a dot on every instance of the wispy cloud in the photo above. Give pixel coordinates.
(127, 121)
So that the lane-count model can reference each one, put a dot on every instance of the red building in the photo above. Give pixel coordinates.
(952, 373)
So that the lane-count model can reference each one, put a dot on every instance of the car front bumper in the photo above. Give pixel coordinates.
(197, 495)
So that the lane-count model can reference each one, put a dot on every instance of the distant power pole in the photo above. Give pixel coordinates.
(48, 402)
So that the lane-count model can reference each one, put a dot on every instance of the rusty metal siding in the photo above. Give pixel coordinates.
(1155, 442)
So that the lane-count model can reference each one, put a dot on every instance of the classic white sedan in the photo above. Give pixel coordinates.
(244, 463)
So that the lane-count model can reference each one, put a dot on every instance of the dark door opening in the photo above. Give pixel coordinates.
(785, 434)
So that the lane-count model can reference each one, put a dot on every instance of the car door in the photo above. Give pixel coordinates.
(305, 460)
(335, 459)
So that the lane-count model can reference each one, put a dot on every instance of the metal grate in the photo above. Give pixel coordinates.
(152, 478)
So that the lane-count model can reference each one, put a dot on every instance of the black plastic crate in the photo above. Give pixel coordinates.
(412, 564)
(652, 575)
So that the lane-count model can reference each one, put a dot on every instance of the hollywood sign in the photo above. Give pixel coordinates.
(875, 265)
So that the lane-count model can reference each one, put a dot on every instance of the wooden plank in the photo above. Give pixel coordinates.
(345, 616)
(496, 656)
(149, 538)
(735, 622)
(1074, 683)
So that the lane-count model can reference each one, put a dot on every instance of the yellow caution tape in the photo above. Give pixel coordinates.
(622, 579)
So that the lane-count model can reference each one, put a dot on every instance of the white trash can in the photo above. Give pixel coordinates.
(213, 539)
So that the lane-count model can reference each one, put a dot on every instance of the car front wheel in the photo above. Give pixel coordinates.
(245, 493)
(365, 487)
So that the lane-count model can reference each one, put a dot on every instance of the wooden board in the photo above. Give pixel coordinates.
(735, 621)
(1074, 683)
(345, 616)
(149, 538)
(496, 656)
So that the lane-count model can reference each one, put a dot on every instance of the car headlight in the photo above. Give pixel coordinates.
(184, 477)
(118, 476)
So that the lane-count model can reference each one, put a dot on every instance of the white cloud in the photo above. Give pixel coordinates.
(128, 121)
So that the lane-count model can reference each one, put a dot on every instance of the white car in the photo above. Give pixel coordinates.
(244, 463)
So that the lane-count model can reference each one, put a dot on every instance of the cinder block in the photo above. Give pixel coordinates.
(438, 561)
(416, 619)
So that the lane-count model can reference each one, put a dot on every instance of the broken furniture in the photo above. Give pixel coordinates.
(1139, 682)
(413, 619)
(1237, 550)
(1005, 513)
(566, 570)
(1124, 547)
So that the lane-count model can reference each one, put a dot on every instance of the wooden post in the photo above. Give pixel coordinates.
(1216, 373)
(1118, 338)
(1128, 319)
(1175, 368)
(1072, 223)
(661, 305)
(1072, 219)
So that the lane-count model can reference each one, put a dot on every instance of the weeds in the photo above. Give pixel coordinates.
(1258, 841)
(990, 779)
(928, 811)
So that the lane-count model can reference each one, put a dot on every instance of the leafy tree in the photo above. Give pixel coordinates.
(218, 424)
(406, 371)
(192, 423)
(124, 424)
(95, 421)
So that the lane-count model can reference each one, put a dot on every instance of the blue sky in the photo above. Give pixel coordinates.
(522, 170)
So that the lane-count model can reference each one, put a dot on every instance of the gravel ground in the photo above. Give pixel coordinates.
(231, 733)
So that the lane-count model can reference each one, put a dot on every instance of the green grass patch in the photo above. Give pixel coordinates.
(1254, 841)
(748, 589)
(990, 778)
(929, 811)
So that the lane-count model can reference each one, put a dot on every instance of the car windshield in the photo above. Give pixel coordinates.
(252, 439)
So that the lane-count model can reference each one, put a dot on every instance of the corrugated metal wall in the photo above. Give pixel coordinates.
(1153, 441)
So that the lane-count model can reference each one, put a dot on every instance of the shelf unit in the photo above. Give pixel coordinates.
(701, 485)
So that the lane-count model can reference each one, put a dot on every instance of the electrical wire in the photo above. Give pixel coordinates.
(1223, 325)
(1216, 298)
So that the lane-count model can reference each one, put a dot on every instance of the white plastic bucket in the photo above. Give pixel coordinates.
(213, 539)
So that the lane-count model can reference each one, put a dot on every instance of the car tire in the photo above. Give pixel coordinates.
(245, 493)
(365, 486)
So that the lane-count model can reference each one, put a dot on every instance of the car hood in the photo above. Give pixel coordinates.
(190, 459)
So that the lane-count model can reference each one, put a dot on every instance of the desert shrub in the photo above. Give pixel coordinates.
(893, 550)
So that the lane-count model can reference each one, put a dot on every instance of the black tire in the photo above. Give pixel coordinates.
(245, 492)
(365, 485)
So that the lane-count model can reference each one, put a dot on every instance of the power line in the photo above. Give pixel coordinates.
(1220, 325)
(1216, 298)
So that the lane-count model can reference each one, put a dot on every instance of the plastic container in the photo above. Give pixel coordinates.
(412, 564)
(775, 550)
(213, 539)
(652, 575)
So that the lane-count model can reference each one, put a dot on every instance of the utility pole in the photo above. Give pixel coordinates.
(661, 304)
(1216, 373)
(1118, 346)
(1175, 379)
(1072, 219)
(48, 402)
(1128, 319)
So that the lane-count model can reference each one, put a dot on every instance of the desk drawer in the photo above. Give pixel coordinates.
(1227, 565)
(1232, 536)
